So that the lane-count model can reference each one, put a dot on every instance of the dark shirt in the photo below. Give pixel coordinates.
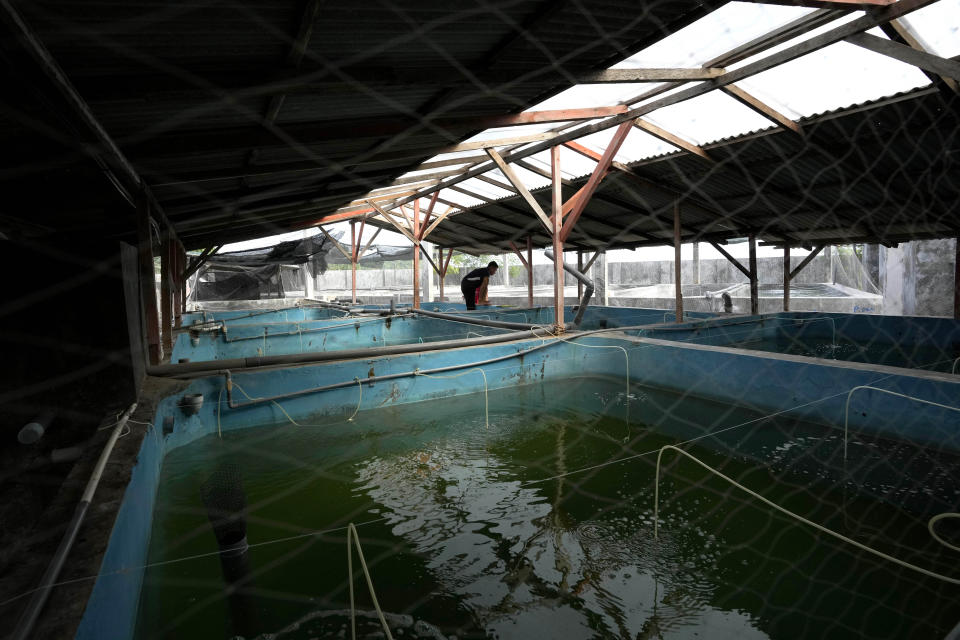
(474, 279)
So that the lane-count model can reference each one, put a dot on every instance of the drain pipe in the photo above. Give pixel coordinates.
(500, 324)
(228, 375)
(226, 503)
(252, 314)
(587, 287)
(32, 612)
(312, 357)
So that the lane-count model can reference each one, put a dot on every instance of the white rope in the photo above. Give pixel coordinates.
(696, 438)
(287, 415)
(626, 357)
(819, 527)
(934, 520)
(353, 536)
(124, 570)
(359, 401)
(486, 395)
(846, 411)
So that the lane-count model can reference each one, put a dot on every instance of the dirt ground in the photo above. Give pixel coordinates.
(38, 499)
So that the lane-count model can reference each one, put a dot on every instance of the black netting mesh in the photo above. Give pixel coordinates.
(680, 496)
(269, 272)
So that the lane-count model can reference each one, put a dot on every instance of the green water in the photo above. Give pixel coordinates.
(909, 356)
(468, 528)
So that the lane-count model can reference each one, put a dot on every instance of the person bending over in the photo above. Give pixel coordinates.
(474, 285)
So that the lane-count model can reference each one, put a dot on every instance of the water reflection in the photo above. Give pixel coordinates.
(525, 561)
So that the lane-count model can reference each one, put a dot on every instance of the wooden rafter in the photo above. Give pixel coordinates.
(540, 171)
(428, 230)
(380, 197)
(633, 176)
(497, 142)
(396, 223)
(828, 4)
(810, 256)
(732, 260)
(519, 253)
(346, 254)
(369, 242)
(426, 218)
(411, 225)
(898, 28)
(762, 108)
(199, 261)
(583, 196)
(521, 189)
(868, 21)
(791, 30)
(904, 53)
(650, 75)
(496, 183)
(670, 138)
(757, 45)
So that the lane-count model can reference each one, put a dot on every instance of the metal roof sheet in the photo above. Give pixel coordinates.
(188, 90)
(882, 171)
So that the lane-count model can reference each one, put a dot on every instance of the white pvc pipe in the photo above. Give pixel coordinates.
(34, 430)
(39, 599)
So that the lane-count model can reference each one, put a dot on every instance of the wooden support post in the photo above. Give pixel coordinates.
(754, 286)
(148, 282)
(556, 201)
(416, 254)
(353, 261)
(677, 277)
(530, 271)
(956, 282)
(166, 292)
(786, 277)
(180, 285)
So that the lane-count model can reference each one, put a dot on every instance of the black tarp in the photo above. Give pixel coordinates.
(262, 273)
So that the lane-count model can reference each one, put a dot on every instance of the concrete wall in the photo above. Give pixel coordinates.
(250, 340)
(620, 274)
(917, 278)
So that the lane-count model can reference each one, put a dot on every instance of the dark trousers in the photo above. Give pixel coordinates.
(470, 297)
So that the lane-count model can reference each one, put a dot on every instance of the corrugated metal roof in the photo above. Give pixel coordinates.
(186, 89)
(883, 171)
